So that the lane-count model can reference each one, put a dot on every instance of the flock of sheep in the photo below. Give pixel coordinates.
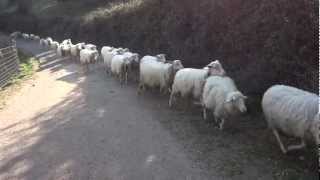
(288, 110)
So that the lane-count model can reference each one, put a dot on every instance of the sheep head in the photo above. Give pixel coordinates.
(177, 65)
(80, 46)
(95, 56)
(235, 102)
(161, 58)
(216, 69)
(136, 57)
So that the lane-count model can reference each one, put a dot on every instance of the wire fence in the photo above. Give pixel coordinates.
(9, 64)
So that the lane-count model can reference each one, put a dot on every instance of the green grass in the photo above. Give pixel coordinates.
(28, 66)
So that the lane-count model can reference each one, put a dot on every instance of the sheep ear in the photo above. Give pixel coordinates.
(244, 97)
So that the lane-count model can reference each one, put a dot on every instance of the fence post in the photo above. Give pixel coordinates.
(9, 63)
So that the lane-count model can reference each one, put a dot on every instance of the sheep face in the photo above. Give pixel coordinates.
(136, 57)
(95, 56)
(235, 103)
(177, 65)
(216, 69)
(161, 57)
(80, 46)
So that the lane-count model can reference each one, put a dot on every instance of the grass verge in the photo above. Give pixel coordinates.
(28, 66)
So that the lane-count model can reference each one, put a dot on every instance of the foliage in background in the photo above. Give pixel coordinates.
(259, 42)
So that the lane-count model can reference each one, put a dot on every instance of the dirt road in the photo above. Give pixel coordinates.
(64, 124)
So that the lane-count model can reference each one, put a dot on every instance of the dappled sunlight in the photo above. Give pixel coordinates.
(40, 111)
(30, 136)
(112, 9)
(45, 54)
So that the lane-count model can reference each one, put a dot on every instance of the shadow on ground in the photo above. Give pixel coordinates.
(105, 131)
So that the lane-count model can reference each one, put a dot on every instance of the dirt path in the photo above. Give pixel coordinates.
(64, 125)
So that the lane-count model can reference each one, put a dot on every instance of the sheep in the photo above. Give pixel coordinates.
(134, 70)
(190, 81)
(90, 46)
(121, 65)
(154, 73)
(293, 112)
(159, 58)
(107, 56)
(54, 45)
(25, 36)
(59, 51)
(75, 50)
(32, 36)
(66, 41)
(65, 49)
(37, 38)
(15, 35)
(221, 96)
(88, 56)
(48, 41)
(42, 42)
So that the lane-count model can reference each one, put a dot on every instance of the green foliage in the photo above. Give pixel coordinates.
(260, 43)
(27, 68)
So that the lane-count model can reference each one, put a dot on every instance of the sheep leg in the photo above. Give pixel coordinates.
(126, 78)
(276, 134)
(172, 98)
(221, 124)
(204, 112)
(297, 147)
(140, 88)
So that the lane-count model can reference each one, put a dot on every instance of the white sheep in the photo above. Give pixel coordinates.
(107, 56)
(48, 41)
(25, 36)
(42, 42)
(15, 34)
(158, 58)
(90, 46)
(37, 38)
(32, 37)
(190, 81)
(65, 49)
(121, 65)
(54, 45)
(293, 112)
(66, 41)
(88, 56)
(75, 50)
(221, 96)
(154, 73)
(105, 50)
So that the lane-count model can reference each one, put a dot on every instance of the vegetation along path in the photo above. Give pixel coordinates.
(64, 124)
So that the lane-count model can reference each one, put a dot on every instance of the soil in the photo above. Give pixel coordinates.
(67, 124)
